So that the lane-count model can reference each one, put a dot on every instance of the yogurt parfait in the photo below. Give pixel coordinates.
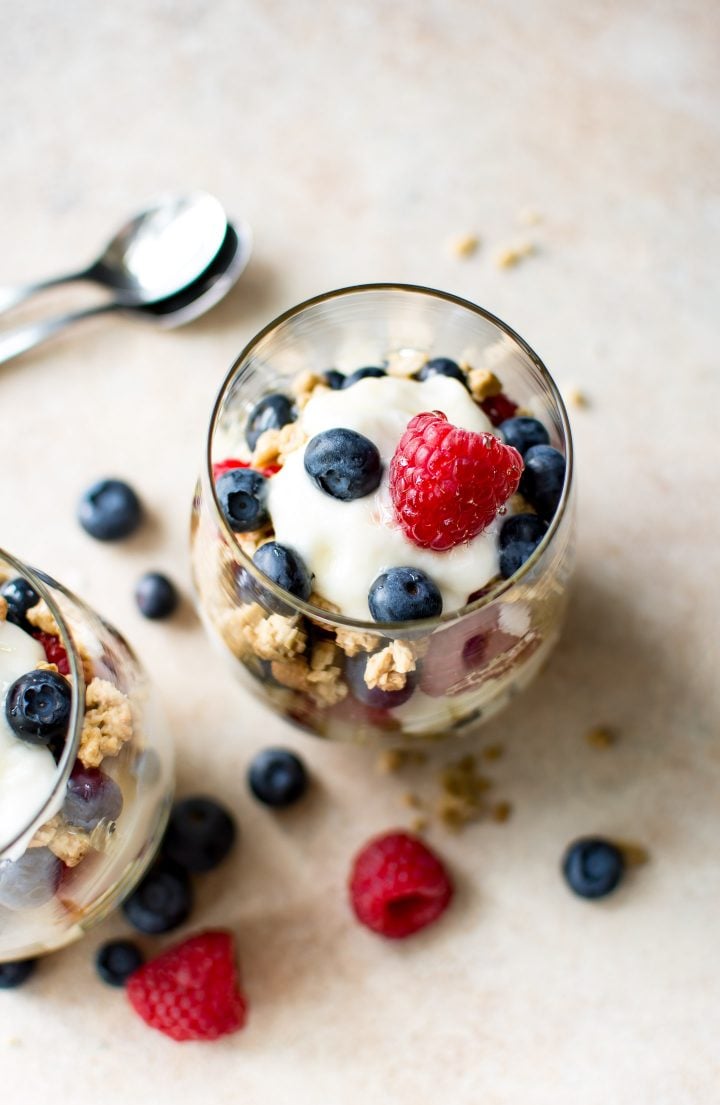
(383, 535)
(85, 765)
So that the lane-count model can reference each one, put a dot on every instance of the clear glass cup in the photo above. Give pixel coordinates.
(468, 663)
(73, 859)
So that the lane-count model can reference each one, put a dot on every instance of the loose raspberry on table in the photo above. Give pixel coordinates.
(191, 992)
(398, 886)
(447, 484)
(54, 651)
(221, 466)
(498, 408)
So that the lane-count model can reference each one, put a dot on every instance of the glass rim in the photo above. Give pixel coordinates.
(421, 625)
(77, 705)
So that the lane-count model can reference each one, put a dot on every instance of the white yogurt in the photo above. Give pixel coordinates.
(27, 772)
(346, 545)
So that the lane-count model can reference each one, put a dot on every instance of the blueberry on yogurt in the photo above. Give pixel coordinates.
(284, 567)
(441, 366)
(404, 594)
(344, 464)
(20, 597)
(37, 707)
(271, 413)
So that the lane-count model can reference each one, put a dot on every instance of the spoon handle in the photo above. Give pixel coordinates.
(11, 297)
(15, 342)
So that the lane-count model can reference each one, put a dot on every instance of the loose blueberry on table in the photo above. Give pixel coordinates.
(156, 596)
(110, 510)
(116, 960)
(277, 777)
(593, 867)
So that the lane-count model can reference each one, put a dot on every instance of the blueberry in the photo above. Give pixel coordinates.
(374, 697)
(593, 867)
(117, 960)
(334, 379)
(91, 797)
(284, 567)
(37, 706)
(109, 510)
(522, 527)
(16, 973)
(31, 880)
(277, 777)
(523, 433)
(200, 834)
(514, 556)
(20, 597)
(404, 594)
(442, 366)
(343, 464)
(361, 373)
(162, 901)
(542, 480)
(271, 413)
(156, 595)
(242, 494)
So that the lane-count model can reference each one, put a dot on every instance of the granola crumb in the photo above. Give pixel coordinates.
(389, 761)
(464, 245)
(248, 630)
(44, 666)
(576, 398)
(462, 793)
(519, 505)
(493, 752)
(510, 256)
(67, 842)
(251, 541)
(3, 609)
(482, 382)
(600, 737)
(107, 725)
(404, 363)
(635, 855)
(40, 617)
(274, 446)
(412, 800)
(323, 603)
(501, 812)
(389, 668)
(320, 678)
(419, 824)
(303, 386)
(353, 643)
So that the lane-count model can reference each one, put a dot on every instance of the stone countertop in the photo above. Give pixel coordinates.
(359, 140)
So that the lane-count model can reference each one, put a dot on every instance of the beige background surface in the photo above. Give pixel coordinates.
(358, 138)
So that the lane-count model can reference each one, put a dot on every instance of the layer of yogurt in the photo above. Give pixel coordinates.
(27, 772)
(346, 545)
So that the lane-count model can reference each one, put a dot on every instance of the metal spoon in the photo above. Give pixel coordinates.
(160, 250)
(181, 306)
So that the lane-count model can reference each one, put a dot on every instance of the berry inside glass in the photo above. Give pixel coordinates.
(382, 534)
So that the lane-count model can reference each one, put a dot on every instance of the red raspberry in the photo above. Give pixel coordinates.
(498, 408)
(54, 651)
(447, 484)
(190, 992)
(225, 465)
(398, 886)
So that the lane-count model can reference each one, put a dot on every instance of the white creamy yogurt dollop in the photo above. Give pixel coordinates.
(27, 772)
(346, 545)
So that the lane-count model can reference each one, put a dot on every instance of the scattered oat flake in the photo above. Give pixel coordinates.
(411, 800)
(633, 854)
(493, 752)
(509, 256)
(501, 811)
(464, 245)
(577, 398)
(419, 824)
(600, 737)
(389, 761)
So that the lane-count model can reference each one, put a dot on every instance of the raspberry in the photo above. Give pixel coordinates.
(498, 408)
(398, 886)
(190, 992)
(226, 465)
(54, 651)
(447, 484)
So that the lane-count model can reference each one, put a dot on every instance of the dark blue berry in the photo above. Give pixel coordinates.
(31, 880)
(542, 480)
(361, 373)
(284, 567)
(156, 595)
(514, 556)
(523, 433)
(343, 464)
(593, 867)
(442, 366)
(16, 973)
(91, 797)
(37, 706)
(109, 510)
(200, 834)
(374, 697)
(271, 413)
(277, 777)
(117, 960)
(242, 494)
(20, 597)
(334, 379)
(403, 595)
(522, 527)
(162, 901)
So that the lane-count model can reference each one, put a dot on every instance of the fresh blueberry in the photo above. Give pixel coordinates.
(109, 510)
(162, 901)
(514, 556)
(374, 697)
(37, 706)
(593, 867)
(442, 366)
(271, 413)
(523, 433)
(334, 379)
(242, 494)
(199, 835)
(284, 567)
(522, 527)
(91, 797)
(31, 880)
(361, 373)
(16, 973)
(20, 597)
(403, 595)
(117, 960)
(343, 464)
(156, 595)
(277, 777)
(542, 480)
